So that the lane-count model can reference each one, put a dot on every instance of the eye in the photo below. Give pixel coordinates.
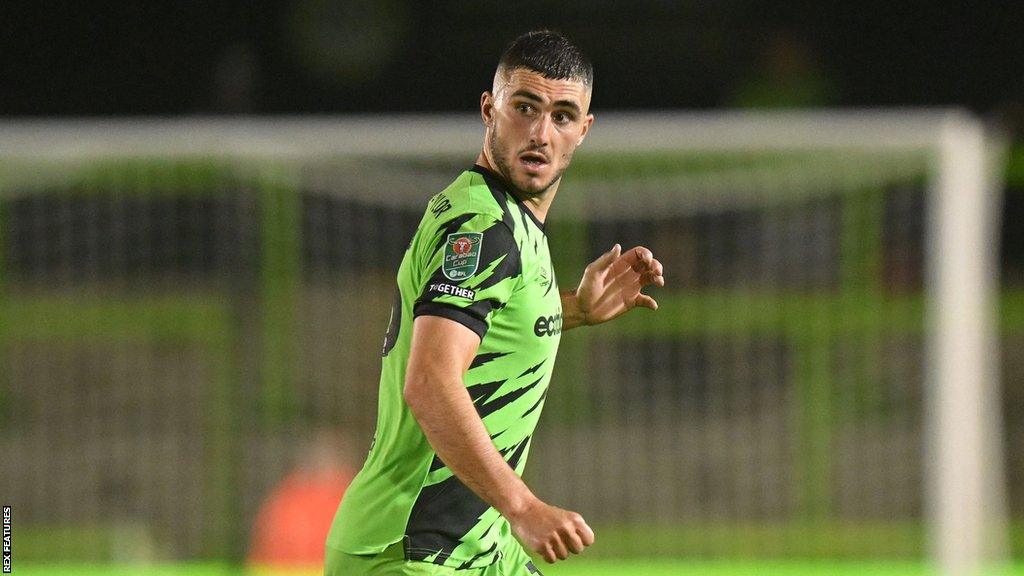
(524, 108)
(561, 118)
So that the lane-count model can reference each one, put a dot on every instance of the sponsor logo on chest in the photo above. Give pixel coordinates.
(548, 325)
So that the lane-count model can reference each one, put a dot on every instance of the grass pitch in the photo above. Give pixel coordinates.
(572, 567)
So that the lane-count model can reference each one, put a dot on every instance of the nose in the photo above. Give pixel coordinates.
(540, 132)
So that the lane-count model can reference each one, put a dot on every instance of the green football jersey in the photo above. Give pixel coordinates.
(480, 258)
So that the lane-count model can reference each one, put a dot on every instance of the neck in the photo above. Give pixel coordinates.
(538, 204)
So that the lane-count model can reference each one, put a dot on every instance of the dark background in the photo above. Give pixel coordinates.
(104, 58)
(157, 57)
(323, 56)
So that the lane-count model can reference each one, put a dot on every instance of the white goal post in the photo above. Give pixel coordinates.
(965, 501)
(964, 415)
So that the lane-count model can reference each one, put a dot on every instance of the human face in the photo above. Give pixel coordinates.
(534, 125)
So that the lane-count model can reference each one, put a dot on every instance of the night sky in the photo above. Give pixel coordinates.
(319, 56)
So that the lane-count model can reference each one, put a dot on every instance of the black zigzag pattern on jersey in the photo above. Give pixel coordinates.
(450, 227)
(536, 405)
(494, 546)
(477, 393)
(497, 242)
(533, 369)
(488, 531)
(437, 463)
(506, 214)
(470, 562)
(526, 226)
(513, 454)
(509, 267)
(481, 395)
(391, 336)
(442, 515)
(482, 392)
(497, 190)
(485, 406)
(486, 357)
(445, 512)
(495, 436)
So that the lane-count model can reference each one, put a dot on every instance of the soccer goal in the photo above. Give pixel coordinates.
(187, 303)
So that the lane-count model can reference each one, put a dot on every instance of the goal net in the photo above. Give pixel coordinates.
(193, 309)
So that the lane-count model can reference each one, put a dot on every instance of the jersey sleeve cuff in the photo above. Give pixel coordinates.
(451, 312)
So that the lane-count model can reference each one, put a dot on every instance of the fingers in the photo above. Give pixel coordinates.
(604, 261)
(571, 533)
(649, 278)
(656, 268)
(586, 534)
(560, 545)
(571, 536)
(574, 542)
(559, 548)
(548, 555)
(638, 260)
(628, 260)
(614, 254)
(654, 275)
(643, 259)
(645, 301)
(647, 264)
(579, 535)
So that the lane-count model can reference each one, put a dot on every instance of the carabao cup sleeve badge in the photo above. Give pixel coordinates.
(462, 255)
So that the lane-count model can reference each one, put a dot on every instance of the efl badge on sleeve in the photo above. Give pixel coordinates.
(462, 255)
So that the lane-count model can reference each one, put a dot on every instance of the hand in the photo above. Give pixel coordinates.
(611, 284)
(550, 531)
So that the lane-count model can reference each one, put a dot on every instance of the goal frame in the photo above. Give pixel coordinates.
(966, 508)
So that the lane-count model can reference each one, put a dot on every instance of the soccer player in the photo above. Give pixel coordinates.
(471, 344)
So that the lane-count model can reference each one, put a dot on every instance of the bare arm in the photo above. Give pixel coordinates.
(441, 353)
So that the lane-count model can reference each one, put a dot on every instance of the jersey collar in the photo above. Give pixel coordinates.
(497, 184)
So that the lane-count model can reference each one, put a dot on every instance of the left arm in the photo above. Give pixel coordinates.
(611, 287)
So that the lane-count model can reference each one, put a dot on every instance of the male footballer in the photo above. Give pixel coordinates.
(471, 344)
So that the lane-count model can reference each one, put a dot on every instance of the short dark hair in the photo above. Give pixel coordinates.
(549, 54)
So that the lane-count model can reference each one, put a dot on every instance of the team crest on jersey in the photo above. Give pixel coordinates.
(462, 255)
(544, 278)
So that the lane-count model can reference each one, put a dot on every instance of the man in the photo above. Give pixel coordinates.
(471, 343)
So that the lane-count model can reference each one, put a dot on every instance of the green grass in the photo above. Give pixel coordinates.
(749, 568)
(573, 567)
(124, 570)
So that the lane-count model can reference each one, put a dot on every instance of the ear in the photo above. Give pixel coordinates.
(587, 122)
(487, 108)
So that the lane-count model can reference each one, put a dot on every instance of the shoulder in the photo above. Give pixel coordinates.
(466, 221)
(469, 206)
(468, 201)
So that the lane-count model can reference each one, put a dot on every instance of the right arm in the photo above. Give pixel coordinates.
(441, 353)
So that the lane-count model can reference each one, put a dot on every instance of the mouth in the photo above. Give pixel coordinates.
(533, 161)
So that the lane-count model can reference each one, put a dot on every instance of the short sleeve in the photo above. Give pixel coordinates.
(472, 266)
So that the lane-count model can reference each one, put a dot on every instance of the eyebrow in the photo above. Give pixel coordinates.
(558, 103)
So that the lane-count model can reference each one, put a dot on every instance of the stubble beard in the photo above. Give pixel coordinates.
(501, 157)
